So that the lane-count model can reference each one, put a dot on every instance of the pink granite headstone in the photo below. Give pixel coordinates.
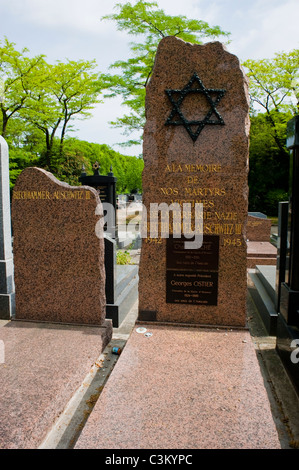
(196, 142)
(258, 229)
(58, 257)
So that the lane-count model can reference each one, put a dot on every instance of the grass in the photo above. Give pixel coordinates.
(123, 257)
(274, 220)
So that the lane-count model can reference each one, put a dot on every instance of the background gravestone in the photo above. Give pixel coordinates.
(196, 150)
(106, 188)
(259, 249)
(258, 229)
(7, 296)
(59, 259)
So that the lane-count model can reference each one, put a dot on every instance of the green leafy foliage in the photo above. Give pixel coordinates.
(69, 89)
(67, 166)
(274, 83)
(19, 159)
(38, 102)
(123, 257)
(76, 153)
(269, 166)
(274, 88)
(18, 80)
(44, 97)
(273, 197)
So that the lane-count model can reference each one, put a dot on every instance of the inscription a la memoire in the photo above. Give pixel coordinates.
(193, 168)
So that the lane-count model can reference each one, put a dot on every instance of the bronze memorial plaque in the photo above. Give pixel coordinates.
(206, 257)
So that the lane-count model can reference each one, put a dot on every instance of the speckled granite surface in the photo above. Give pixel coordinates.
(262, 249)
(258, 229)
(58, 258)
(211, 170)
(183, 388)
(259, 252)
(43, 366)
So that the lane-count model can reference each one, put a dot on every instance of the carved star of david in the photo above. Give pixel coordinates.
(199, 89)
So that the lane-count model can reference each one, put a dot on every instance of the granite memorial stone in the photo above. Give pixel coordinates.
(259, 249)
(195, 152)
(258, 229)
(58, 251)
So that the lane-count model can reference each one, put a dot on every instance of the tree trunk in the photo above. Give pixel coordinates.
(62, 135)
(275, 135)
(4, 123)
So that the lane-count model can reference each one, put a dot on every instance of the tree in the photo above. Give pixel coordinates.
(134, 174)
(127, 170)
(67, 89)
(274, 87)
(269, 167)
(17, 81)
(35, 95)
(152, 24)
(76, 89)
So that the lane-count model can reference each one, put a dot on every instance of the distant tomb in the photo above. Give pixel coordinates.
(259, 249)
(258, 228)
(106, 189)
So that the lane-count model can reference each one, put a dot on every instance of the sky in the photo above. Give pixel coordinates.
(73, 29)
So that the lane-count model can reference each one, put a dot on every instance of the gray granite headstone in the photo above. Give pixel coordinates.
(7, 296)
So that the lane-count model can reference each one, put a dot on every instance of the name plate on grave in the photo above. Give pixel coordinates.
(191, 287)
(192, 275)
